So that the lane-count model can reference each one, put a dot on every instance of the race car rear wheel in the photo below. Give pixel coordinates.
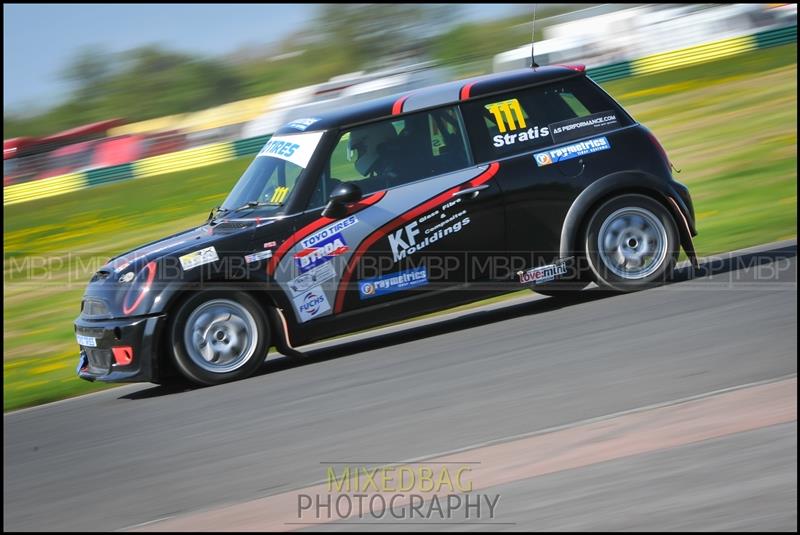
(219, 337)
(631, 242)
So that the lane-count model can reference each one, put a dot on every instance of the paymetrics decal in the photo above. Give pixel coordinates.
(509, 119)
(321, 252)
(294, 148)
(393, 282)
(571, 151)
(311, 304)
(427, 229)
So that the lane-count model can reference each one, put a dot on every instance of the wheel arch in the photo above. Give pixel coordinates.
(622, 183)
(174, 294)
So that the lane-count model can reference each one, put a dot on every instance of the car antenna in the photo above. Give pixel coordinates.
(533, 33)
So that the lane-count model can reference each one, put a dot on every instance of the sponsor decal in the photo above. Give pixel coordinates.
(294, 148)
(198, 258)
(128, 277)
(311, 278)
(255, 257)
(311, 304)
(321, 252)
(87, 341)
(571, 151)
(583, 126)
(122, 267)
(411, 238)
(507, 115)
(328, 231)
(531, 134)
(542, 274)
(302, 124)
(511, 123)
(444, 199)
(393, 282)
(269, 244)
(279, 195)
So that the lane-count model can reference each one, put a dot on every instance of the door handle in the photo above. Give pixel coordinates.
(470, 193)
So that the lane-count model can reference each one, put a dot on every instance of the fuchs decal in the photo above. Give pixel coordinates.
(311, 304)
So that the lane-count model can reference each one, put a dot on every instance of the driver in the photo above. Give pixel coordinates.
(374, 148)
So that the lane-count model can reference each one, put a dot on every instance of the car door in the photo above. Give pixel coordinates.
(425, 211)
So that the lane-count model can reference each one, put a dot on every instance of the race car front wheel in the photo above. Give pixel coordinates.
(631, 243)
(219, 337)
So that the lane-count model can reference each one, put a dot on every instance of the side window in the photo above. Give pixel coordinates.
(527, 120)
(392, 153)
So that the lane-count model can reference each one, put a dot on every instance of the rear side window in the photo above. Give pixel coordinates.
(528, 119)
(391, 153)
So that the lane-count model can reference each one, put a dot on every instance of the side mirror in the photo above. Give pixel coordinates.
(343, 195)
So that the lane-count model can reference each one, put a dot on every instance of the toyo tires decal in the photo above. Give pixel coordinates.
(292, 240)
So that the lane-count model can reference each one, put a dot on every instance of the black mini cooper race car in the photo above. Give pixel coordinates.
(389, 209)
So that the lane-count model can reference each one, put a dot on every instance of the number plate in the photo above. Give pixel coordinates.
(87, 341)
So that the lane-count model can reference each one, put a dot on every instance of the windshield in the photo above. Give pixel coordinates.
(274, 173)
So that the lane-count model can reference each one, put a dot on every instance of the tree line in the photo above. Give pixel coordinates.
(153, 81)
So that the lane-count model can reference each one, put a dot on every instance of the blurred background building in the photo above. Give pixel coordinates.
(351, 54)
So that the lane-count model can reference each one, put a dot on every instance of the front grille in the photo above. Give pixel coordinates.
(99, 360)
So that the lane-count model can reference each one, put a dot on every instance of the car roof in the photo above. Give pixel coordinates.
(432, 96)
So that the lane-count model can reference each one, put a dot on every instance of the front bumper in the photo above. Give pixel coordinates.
(139, 333)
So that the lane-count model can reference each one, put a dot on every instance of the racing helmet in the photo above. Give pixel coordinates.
(366, 146)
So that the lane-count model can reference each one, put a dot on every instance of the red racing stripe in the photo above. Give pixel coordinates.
(370, 240)
(151, 274)
(464, 95)
(316, 225)
(397, 108)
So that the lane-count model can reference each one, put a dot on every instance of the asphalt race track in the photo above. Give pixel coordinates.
(679, 406)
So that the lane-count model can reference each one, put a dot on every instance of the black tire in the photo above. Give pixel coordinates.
(639, 246)
(235, 319)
